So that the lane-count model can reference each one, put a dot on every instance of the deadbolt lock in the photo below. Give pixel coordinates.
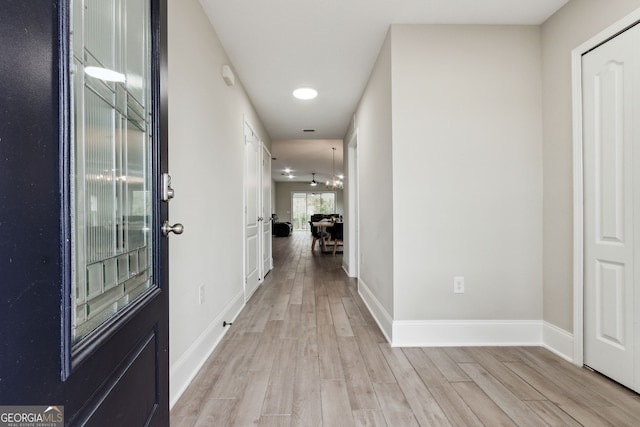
(167, 191)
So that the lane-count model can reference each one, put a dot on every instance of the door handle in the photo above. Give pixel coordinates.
(175, 228)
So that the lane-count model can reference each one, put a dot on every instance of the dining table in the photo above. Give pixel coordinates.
(322, 227)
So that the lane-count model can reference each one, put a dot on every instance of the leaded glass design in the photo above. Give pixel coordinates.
(111, 159)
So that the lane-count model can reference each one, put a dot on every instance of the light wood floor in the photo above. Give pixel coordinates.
(305, 351)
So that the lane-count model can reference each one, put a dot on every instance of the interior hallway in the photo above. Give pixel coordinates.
(305, 351)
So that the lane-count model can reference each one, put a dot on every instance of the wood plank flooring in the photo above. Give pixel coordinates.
(306, 352)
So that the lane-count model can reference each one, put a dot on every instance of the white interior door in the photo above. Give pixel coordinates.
(611, 96)
(252, 149)
(267, 257)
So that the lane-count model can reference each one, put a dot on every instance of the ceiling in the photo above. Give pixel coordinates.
(276, 46)
(304, 157)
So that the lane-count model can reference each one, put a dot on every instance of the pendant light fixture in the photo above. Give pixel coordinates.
(334, 184)
(313, 182)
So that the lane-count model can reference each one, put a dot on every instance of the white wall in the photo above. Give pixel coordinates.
(274, 196)
(574, 24)
(467, 172)
(206, 163)
(450, 172)
(283, 197)
(375, 190)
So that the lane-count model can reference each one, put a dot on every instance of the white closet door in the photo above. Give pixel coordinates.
(252, 149)
(611, 85)
(267, 258)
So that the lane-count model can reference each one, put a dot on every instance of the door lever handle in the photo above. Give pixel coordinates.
(175, 228)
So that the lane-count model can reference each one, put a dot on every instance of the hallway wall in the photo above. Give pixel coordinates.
(375, 191)
(467, 133)
(206, 164)
(451, 121)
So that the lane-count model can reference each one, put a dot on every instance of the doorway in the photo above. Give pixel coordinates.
(607, 289)
(304, 204)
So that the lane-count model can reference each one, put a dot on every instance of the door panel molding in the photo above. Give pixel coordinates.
(134, 374)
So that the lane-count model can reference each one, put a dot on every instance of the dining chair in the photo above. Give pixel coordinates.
(317, 234)
(337, 232)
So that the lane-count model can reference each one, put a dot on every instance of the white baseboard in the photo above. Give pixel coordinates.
(351, 271)
(557, 341)
(381, 316)
(461, 333)
(182, 372)
(345, 267)
(464, 333)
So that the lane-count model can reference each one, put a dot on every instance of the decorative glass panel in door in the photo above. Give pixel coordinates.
(111, 159)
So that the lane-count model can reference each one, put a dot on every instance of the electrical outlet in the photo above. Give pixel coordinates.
(458, 285)
(201, 294)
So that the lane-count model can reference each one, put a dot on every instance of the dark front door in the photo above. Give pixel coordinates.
(83, 261)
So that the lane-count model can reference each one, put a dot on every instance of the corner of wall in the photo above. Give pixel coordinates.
(377, 310)
(558, 341)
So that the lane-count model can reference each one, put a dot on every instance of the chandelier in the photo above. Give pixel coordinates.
(334, 184)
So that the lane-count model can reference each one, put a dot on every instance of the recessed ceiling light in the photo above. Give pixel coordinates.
(305, 93)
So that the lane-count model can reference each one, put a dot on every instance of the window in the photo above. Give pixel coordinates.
(303, 205)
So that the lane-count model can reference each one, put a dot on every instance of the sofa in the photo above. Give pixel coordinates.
(320, 217)
(280, 229)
